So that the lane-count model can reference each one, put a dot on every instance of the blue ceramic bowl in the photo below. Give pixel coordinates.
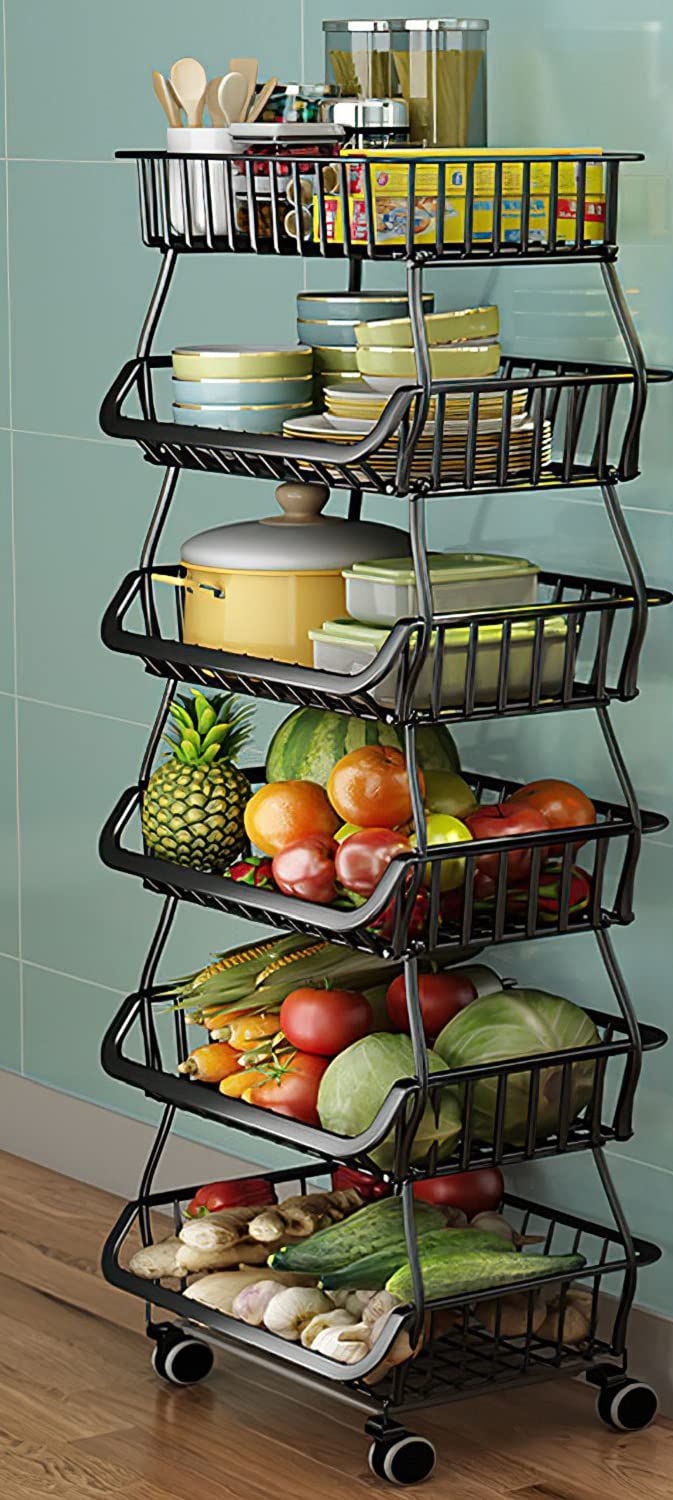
(354, 307)
(241, 418)
(272, 390)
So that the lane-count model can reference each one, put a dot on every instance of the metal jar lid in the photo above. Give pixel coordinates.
(362, 114)
(399, 23)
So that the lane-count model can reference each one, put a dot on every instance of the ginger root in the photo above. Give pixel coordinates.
(304, 1215)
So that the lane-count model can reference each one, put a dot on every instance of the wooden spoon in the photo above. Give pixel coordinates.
(231, 96)
(261, 101)
(167, 99)
(213, 103)
(249, 67)
(189, 82)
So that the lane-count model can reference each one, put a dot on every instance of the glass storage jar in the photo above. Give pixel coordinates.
(437, 65)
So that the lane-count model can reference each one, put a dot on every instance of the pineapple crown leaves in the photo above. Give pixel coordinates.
(208, 729)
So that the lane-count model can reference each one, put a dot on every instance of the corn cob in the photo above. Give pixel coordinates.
(261, 984)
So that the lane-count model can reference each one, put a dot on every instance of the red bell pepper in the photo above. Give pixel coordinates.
(235, 1194)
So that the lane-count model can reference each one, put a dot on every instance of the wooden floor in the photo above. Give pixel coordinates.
(82, 1414)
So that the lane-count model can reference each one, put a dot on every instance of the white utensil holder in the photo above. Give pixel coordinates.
(190, 189)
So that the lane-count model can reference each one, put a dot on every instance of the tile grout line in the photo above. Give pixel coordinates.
(302, 74)
(12, 523)
(30, 963)
(71, 708)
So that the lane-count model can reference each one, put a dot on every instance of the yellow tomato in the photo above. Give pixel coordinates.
(443, 829)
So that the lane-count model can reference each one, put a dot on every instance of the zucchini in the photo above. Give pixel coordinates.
(373, 1271)
(449, 1275)
(377, 1226)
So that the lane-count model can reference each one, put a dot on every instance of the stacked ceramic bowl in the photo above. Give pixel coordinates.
(327, 322)
(462, 344)
(249, 390)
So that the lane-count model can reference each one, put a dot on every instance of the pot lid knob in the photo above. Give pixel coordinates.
(301, 503)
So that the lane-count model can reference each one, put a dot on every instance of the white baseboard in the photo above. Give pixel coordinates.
(98, 1145)
(106, 1149)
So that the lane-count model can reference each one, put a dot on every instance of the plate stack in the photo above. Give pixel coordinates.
(462, 344)
(248, 390)
(327, 322)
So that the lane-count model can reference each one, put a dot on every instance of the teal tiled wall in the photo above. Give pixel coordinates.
(74, 281)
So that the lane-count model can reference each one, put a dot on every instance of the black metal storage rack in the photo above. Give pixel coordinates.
(593, 414)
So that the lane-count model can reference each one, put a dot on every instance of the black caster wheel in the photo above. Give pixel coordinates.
(627, 1405)
(404, 1459)
(179, 1359)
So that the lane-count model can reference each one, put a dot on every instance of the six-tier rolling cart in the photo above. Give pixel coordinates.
(594, 414)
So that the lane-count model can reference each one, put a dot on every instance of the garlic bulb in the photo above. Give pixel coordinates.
(337, 1318)
(353, 1302)
(289, 1312)
(251, 1303)
(336, 1345)
(379, 1303)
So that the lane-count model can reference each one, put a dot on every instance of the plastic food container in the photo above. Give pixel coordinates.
(346, 647)
(260, 587)
(437, 66)
(382, 592)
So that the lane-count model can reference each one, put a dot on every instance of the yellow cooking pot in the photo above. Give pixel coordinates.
(258, 587)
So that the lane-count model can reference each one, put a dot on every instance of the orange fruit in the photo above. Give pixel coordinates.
(370, 787)
(285, 812)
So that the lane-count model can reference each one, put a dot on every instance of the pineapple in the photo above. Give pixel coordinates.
(193, 806)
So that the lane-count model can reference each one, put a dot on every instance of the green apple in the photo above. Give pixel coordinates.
(442, 829)
(446, 792)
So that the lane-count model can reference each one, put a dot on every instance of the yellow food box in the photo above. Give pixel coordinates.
(391, 211)
(390, 175)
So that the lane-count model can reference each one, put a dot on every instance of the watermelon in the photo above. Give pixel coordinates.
(308, 744)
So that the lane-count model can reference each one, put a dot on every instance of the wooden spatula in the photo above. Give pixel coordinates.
(231, 97)
(261, 101)
(167, 99)
(189, 81)
(213, 103)
(249, 67)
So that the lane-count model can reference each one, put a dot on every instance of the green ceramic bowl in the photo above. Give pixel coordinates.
(235, 362)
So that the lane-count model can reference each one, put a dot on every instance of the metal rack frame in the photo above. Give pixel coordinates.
(472, 1359)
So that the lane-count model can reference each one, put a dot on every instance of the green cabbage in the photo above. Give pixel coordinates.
(520, 1023)
(357, 1082)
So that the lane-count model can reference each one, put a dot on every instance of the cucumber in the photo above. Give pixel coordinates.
(449, 1275)
(377, 1226)
(373, 1271)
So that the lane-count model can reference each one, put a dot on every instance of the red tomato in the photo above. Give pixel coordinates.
(475, 1192)
(306, 870)
(441, 997)
(362, 858)
(370, 787)
(325, 1021)
(366, 1183)
(497, 821)
(292, 1088)
(563, 805)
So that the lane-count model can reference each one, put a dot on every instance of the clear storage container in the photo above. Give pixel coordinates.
(437, 66)
(384, 591)
(347, 647)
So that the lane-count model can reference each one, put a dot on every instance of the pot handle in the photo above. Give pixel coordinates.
(187, 584)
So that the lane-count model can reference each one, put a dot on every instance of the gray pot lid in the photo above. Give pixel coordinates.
(300, 541)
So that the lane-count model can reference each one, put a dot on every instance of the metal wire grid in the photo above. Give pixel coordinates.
(240, 204)
(570, 404)
(587, 608)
